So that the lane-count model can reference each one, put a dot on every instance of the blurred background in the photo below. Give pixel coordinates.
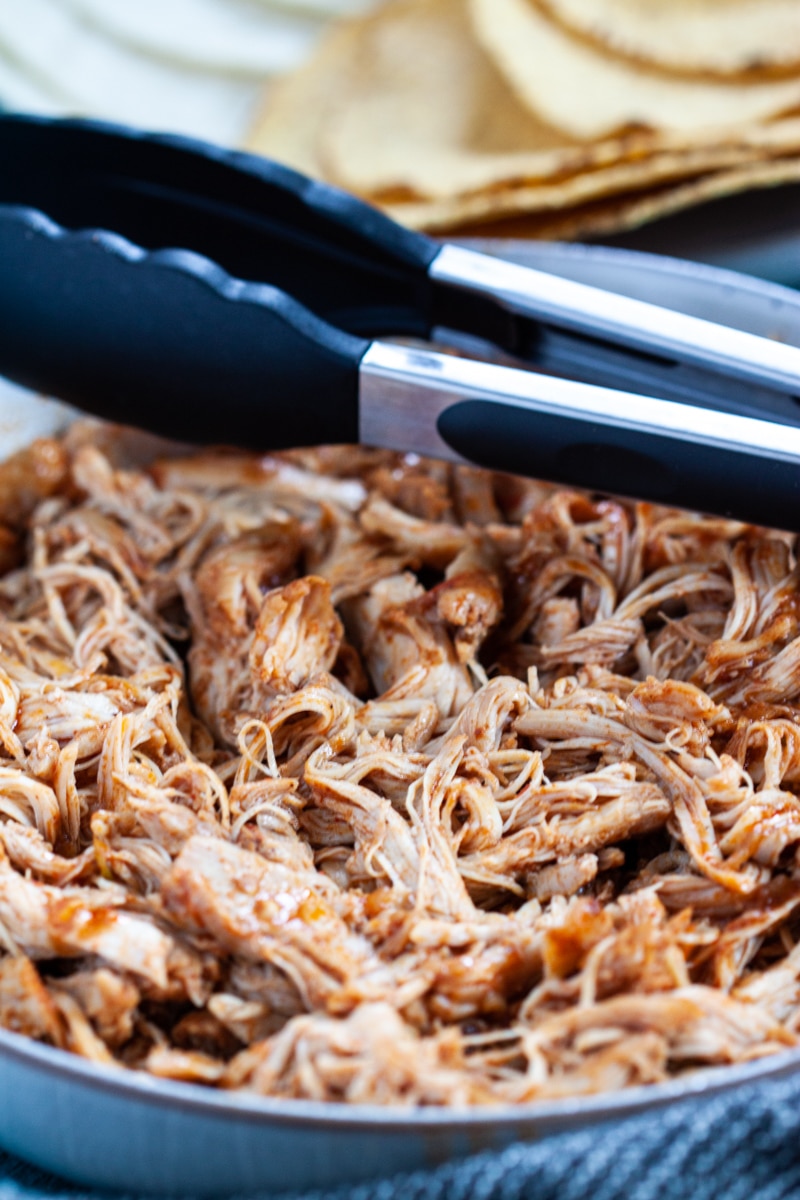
(199, 67)
(666, 125)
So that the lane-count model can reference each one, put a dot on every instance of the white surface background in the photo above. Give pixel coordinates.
(188, 66)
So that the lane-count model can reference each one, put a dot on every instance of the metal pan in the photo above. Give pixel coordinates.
(115, 1129)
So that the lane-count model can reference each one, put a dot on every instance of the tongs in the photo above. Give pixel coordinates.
(216, 296)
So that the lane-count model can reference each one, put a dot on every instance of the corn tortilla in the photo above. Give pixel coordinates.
(713, 37)
(288, 126)
(626, 178)
(404, 107)
(618, 214)
(589, 94)
(406, 101)
(422, 107)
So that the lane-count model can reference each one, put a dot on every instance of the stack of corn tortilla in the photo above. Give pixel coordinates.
(548, 118)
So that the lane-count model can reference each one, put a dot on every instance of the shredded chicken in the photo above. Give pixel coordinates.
(353, 777)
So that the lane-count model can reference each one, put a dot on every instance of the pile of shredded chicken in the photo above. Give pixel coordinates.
(346, 776)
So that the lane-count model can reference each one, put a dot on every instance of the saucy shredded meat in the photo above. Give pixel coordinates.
(347, 776)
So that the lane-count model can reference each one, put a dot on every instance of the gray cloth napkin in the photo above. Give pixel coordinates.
(741, 1145)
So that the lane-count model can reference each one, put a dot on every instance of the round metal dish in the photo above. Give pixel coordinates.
(130, 1131)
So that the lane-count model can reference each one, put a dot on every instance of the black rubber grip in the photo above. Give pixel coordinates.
(585, 454)
(258, 220)
(169, 341)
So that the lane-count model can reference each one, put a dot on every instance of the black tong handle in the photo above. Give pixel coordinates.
(258, 220)
(168, 341)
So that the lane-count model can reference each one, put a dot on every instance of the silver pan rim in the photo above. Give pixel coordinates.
(124, 1083)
